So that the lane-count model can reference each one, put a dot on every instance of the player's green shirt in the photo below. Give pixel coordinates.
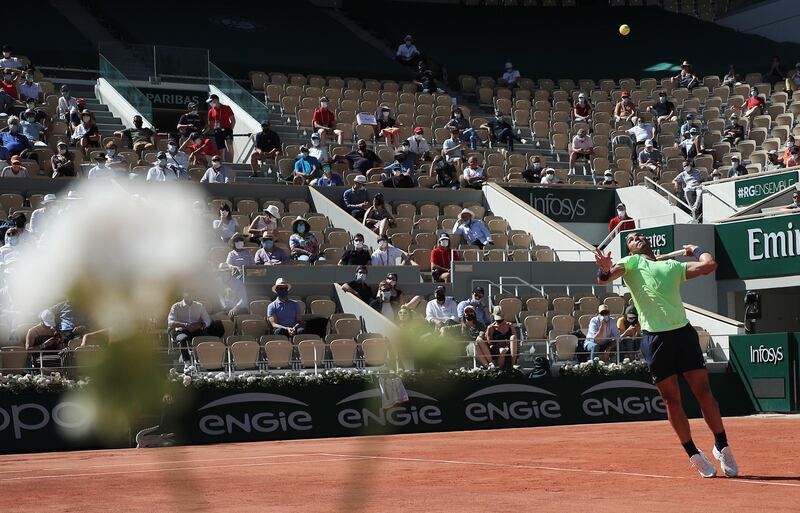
(656, 290)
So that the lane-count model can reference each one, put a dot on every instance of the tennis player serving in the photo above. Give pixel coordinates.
(669, 343)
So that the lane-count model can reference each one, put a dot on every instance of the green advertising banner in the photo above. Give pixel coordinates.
(751, 190)
(766, 364)
(569, 205)
(662, 239)
(760, 248)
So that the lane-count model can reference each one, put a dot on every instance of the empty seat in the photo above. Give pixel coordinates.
(535, 327)
(210, 355)
(376, 351)
(253, 328)
(343, 352)
(565, 346)
(312, 352)
(324, 307)
(244, 354)
(347, 327)
(279, 353)
(563, 323)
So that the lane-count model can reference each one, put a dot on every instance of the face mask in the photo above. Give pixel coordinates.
(385, 114)
(13, 240)
(194, 111)
(238, 244)
(111, 152)
(383, 244)
(315, 142)
(397, 172)
(359, 244)
(361, 277)
(444, 243)
(440, 296)
(752, 93)
(620, 212)
(6, 54)
(216, 165)
(550, 176)
(663, 99)
(29, 78)
(162, 162)
(214, 105)
(605, 317)
(324, 105)
(469, 317)
(362, 148)
(86, 119)
(418, 137)
(13, 128)
(537, 165)
(65, 94)
(301, 228)
(188, 299)
(172, 148)
(267, 244)
(283, 293)
(687, 168)
(458, 116)
(304, 154)
(387, 295)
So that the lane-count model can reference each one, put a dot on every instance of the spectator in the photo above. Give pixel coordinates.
(8, 84)
(452, 151)
(787, 152)
(475, 331)
(397, 294)
(418, 145)
(377, 217)
(407, 53)
(501, 342)
(284, 314)
(460, 123)
(159, 172)
(62, 161)
(444, 173)
(269, 253)
(737, 168)
(664, 110)
(402, 162)
(621, 221)
(359, 287)
(793, 80)
(386, 254)
(38, 215)
(476, 303)
(187, 319)
(217, 173)
(441, 257)
(8, 61)
(581, 147)
(441, 310)
(602, 335)
(361, 159)
(324, 122)
(733, 132)
(650, 159)
(226, 226)
(630, 333)
(9, 252)
(328, 178)
(398, 178)
(715, 175)
(794, 157)
(69, 320)
(4, 154)
(357, 255)
(686, 77)
(15, 170)
(267, 147)
(115, 160)
(387, 126)
(7, 104)
(66, 104)
(238, 258)
(86, 134)
(100, 170)
(500, 131)
(303, 244)
(221, 120)
(641, 132)
(474, 176)
(608, 179)
(318, 151)
(266, 222)
(425, 81)
(773, 161)
(533, 173)
(692, 145)
(472, 230)
(44, 336)
(140, 138)
(795, 204)
(753, 106)
(687, 126)
(582, 110)
(14, 140)
(306, 167)
(383, 300)
(625, 110)
(190, 121)
(510, 76)
(200, 149)
(76, 114)
(549, 177)
(42, 117)
(177, 160)
(731, 78)
(356, 199)
(30, 89)
(690, 181)
(776, 72)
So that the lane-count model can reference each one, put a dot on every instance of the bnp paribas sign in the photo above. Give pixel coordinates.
(759, 248)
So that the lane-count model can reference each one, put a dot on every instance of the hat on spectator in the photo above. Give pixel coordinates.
(297, 222)
(161, 155)
(315, 135)
(273, 211)
(693, 130)
(648, 143)
(662, 93)
(608, 173)
(216, 158)
(15, 159)
(685, 63)
(61, 144)
(690, 115)
(466, 211)
(497, 313)
(772, 152)
(100, 157)
(625, 93)
(469, 307)
(734, 116)
(280, 282)
(631, 316)
(621, 205)
(191, 105)
(581, 95)
(48, 198)
(323, 99)
(267, 234)
(360, 179)
(212, 98)
(716, 173)
(418, 130)
(444, 236)
(735, 157)
(549, 171)
(478, 289)
(602, 308)
(265, 122)
(48, 318)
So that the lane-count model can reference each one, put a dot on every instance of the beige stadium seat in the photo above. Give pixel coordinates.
(588, 305)
(565, 346)
(376, 351)
(312, 352)
(535, 327)
(279, 353)
(563, 323)
(537, 305)
(511, 307)
(13, 359)
(253, 328)
(343, 352)
(347, 327)
(210, 355)
(324, 307)
(616, 305)
(583, 323)
(564, 305)
(244, 355)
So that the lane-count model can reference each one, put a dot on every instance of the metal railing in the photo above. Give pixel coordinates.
(674, 198)
(514, 284)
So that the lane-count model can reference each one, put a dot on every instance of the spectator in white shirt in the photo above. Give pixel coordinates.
(217, 173)
(407, 53)
(187, 319)
(452, 150)
(100, 169)
(160, 172)
(226, 226)
(66, 103)
(38, 215)
(418, 145)
(8, 61)
(29, 88)
(177, 158)
(511, 76)
(582, 146)
(386, 254)
(690, 180)
(442, 310)
(641, 132)
(474, 176)
(549, 176)
(317, 150)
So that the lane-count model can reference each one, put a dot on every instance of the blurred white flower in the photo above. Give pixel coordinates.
(187, 380)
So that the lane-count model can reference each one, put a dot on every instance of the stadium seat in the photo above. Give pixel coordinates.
(343, 351)
(210, 355)
(244, 355)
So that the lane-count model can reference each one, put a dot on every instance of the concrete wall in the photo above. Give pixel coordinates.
(117, 104)
(340, 218)
(650, 207)
(245, 123)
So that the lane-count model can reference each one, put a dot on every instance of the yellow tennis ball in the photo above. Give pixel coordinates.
(624, 30)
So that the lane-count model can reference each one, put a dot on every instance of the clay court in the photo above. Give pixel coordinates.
(598, 468)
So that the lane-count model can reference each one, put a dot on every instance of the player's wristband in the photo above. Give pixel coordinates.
(698, 251)
(603, 275)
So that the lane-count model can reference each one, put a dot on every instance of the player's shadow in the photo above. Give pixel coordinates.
(768, 478)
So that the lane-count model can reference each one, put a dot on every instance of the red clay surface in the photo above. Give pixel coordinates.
(601, 468)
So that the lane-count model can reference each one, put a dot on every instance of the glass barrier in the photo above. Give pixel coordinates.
(124, 87)
(238, 94)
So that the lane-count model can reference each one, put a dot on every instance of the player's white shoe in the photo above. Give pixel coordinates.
(726, 461)
(701, 462)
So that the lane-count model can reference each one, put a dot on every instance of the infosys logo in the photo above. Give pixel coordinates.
(295, 419)
(506, 402)
(620, 398)
(550, 205)
(404, 415)
(21, 418)
(763, 354)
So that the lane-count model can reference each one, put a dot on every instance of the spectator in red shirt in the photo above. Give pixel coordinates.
(441, 256)
(621, 222)
(324, 122)
(8, 84)
(753, 106)
(200, 149)
(582, 111)
(221, 120)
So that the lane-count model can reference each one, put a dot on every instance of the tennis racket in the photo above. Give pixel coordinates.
(673, 254)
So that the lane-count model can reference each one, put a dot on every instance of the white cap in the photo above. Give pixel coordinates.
(280, 282)
(466, 211)
(273, 211)
(48, 318)
(49, 198)
(648, 142)
(360, 179)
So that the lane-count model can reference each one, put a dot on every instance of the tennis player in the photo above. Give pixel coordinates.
(669, 343)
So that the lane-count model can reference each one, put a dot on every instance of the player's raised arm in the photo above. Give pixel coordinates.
(705, 262)
(607, 271)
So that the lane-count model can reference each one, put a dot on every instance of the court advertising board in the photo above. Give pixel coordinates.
(662, 239)
(767, 363)
(759, 248)
(569, 205)
(752, 190)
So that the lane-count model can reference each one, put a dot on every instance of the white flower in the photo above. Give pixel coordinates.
(221, 376)
(251, 379)
(187, 380)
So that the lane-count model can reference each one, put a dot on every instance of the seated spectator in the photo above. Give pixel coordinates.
(641, 132)
(361, 159)
(398, 179)
(66, 104)
(686, 77)
(377, 217)
(160, 172)
(324, 122)
(625, 110)
(787, 152)
(737, 168)
(200, 149)
(793, 80)
(387, 126)
(731, 78)
(100, 170)
(452, 150)
(510, 76)
(267, 147)
(549, 177)
(474, 176)
(773, 161)
(474, 331)
(794, 157)
(356, 199)
(187, 319)
(15, 170)
(7, 104)
(441, 310)
(582, 110)
(776, 72)
(403, 162)
(650, 159)
(62, 161)
(500, 131)
(687, 126)
(303, 245)
(753, 106)
(14, 140)
(284, 314)
(418, 145)
(581, 147)
(226, 226)
(412, 304)
(386, 254)
(690, 181)
(190, 121)
(8, 84)
(359, 286)
(32, 129)
(608, 179)
(86, 135)
(238, 258)
(533, 173)
(266, 222)
(269, 253)
(217, 173)
(8, 61)
(425, 81)
(715, 175)
(177, 160)
(621, 221)
(357, 255)
(9, 252)
(383, 301)
(220, 120)
(500, 344)
(115, 160)
(318, 151)
(306, 167)
(42, 117)
(602, 335)
(692, 146)
(459, 122)
(47, 209)
(630, 333)
(140, 137)
(44, 336)
(4, 154)
(70, 321)
(664, 110)
(733, 132)
(795, 204)
(473, 231)
(441, 257)
(444, 173)
(476, 303)
(407, 53)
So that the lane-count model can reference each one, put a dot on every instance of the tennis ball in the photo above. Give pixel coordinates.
(624, 30)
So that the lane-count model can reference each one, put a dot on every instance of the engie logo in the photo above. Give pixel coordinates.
(505, 402)
(279, 418)
(550, 206)
(407, 414)
(619, 398)
(19, 418)
(762, 354)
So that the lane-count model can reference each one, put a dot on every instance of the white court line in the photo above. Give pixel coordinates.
(202, 467)
(150, 453)
(553, 469)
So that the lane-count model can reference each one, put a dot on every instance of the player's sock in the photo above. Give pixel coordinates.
(720, 440)
(690, 448)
